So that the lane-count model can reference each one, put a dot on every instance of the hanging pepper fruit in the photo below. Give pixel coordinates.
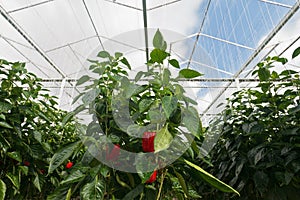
(42, 171)
(69, 165)
(114, 154)
(148, 141)
(26, 163)
(152, 177)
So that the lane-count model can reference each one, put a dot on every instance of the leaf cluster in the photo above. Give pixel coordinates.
(123, 109)
(258, 151)
(30, 133)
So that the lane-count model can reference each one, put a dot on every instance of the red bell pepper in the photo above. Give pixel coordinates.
(114, 154)
(152, 177)
(148, 141)
(69, 165)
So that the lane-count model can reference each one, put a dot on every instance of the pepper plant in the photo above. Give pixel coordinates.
(149, 114)
(258, 151)
(30, 133)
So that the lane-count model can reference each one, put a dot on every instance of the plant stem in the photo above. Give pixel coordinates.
(162, 182)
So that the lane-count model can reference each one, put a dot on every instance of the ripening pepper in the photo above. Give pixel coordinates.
(69, 165)
(114, 154)
(152, 177)
(26, 163)
(148, 141)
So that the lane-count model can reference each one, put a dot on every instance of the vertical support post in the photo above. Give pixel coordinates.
(146, 29)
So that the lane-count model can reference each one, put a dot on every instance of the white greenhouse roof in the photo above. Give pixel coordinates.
(222, 39)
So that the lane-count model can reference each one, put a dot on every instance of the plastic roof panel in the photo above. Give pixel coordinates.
(112, 19)
(46, 23)
(224, 40)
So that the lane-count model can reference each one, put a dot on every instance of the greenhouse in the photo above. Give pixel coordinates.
(150, 100)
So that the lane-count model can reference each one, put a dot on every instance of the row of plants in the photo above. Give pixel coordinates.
(142, 142)
(30, 133)
(145, 136)
(258, 151)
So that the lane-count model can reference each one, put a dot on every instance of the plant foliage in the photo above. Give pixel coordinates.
(159, 103)
(30, 132)
(258, 151)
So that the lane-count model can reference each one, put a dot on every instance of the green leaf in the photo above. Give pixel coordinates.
(38, 136)
(194, 195)
(163, 139)
(77, 110)
(169, 105)
(213, 181)
(129, 89)
(67, 118)
(94, 190)
(15, 155)
(182, 183)
(189, 73)
(4, 62)
(138, 76)
(69, 194)
(90, 96)
(99, 70)
(288, 72)
(125, 62)
(24, 169)
(37, 184)
(2, 190)
(83, 79)
(261, 181)
(14, 179)
(192, 122)
(74, 176)
(291, 131)
(5, 107)
(282, 60)
(103, 54)
(158, 41)
(5, 125)
(296, 53)
(6, 85)
(265, 86)
(264, 74)
(5, 145)
(158, 55)
(2, 116)
(166, 76)
(134, 193)
(274, 75)
(62, 155)
(43, 116)
(118, 55)
(135, 130)
(174, 63)
(59, 193)
(145, 104)
(77, 97)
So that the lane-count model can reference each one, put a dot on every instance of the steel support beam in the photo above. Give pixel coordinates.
(146, 29)
(18, 28)
(198, 35)
(30, 6)
(92, 21)
(276, 3)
